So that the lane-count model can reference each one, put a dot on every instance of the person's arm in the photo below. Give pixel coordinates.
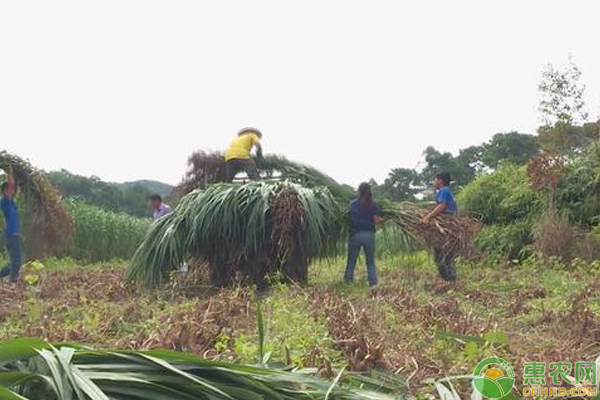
(258, 146)
(436, 212)
(259, 150)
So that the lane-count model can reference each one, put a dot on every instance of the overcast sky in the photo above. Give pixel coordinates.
(128, 89)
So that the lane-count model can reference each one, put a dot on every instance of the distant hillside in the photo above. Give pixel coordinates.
(129, 198)
(160, 188)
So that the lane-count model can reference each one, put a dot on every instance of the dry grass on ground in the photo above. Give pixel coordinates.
(415, 325)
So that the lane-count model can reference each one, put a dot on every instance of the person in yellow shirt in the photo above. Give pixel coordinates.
(238, 156)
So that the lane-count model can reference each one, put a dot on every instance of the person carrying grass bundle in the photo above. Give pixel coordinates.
(11, 216)
(445, 205)
(364, 215)
(238, 155)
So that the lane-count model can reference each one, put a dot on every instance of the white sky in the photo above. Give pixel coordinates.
(128, 89)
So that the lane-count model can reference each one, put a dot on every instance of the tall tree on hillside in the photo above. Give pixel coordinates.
(470, 160)
(563, 110)
(562, 95)
(462, 168)
(400, 185)
(513, 147)
(566, 139)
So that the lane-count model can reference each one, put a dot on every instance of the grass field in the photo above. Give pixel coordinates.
(415, 325)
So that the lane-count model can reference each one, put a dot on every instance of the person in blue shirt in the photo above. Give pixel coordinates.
(11, 216)
(445, 205)
(364, 215)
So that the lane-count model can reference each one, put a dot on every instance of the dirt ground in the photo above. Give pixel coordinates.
(414, 325)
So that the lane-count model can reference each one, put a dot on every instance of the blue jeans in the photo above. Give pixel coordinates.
(13, 245)
(365, 240)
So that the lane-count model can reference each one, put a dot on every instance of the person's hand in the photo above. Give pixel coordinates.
(426, 219)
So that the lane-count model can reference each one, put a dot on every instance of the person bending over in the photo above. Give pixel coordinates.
(238, 155)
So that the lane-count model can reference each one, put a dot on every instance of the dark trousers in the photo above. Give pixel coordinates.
(13, 245)
(238, 165)
(445, 263)
(366, 241)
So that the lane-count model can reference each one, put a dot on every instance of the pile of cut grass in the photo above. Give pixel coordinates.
(207, 168)
(34, 369)
(48, 224)
(249, 231)
(447, 234)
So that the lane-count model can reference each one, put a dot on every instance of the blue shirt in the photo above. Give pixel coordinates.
(11, 215)
(362, 220)
(444, 195)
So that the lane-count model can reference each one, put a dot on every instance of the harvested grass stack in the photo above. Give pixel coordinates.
(447, 234)
(48, 223)
(246, 231)
(204, 168)
(207, 168)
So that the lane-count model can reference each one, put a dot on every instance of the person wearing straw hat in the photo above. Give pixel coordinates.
(445, 205)
(238, 155)
(11, 216)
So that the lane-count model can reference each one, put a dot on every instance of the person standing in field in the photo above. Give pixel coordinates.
(237, 156)
(159, 209)
(445, 205)
(11, 216)
(364, 216)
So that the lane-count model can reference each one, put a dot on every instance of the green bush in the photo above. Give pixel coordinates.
(579, 191)
(508, 242)
(503, 196)
(596, 232)
(101, 235)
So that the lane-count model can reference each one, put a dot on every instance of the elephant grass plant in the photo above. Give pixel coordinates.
(32, 369)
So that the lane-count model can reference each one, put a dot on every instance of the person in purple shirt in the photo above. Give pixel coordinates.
(364, 215)
(159, 209)
(445, 205)
(11, 216)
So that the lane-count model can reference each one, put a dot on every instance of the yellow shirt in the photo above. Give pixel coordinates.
(241, 146)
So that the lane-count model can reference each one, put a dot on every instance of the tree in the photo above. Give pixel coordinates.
(470, 163)
(513, 147)
(563, 110)
(462, 168)
(400, 185)
(562, 95)
(566, 139)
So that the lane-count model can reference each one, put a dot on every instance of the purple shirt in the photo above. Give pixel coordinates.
(163, 210)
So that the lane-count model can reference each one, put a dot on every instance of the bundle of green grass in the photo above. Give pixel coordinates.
(47, 223)
(242, 231)
(32, 369)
